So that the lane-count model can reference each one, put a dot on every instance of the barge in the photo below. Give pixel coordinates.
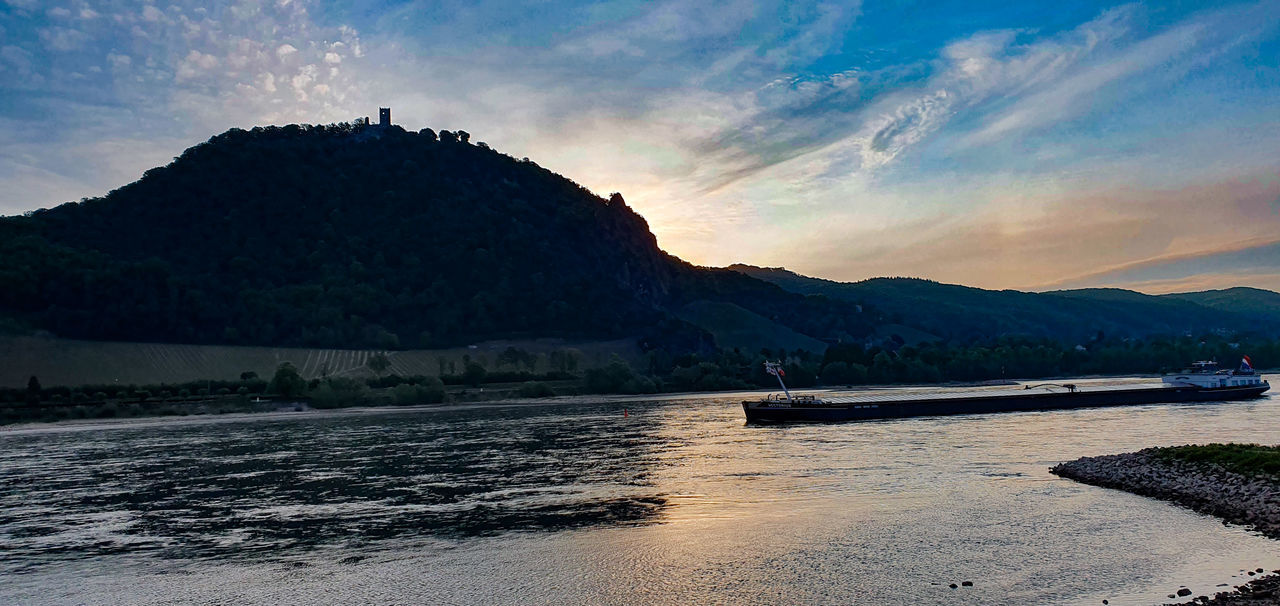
(1202, 382)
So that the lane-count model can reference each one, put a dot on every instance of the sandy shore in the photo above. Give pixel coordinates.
(1250, 501)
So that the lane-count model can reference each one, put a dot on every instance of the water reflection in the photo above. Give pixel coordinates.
(680, 502)
(222, 490)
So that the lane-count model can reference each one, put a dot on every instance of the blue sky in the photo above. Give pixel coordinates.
(1002, 145)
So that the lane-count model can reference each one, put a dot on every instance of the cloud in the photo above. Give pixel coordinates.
(62, 39)
(1019, 236)
(1069, 96)
(178, 72)
(769, 132)
(195, 65)
(835, 116)
(16, 58)
(994, 83)
(1256, 257)
(119, 61)
(1223, 278)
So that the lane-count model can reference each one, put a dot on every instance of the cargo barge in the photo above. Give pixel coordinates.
(1202, 382)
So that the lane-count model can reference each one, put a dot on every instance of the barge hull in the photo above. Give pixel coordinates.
(981, 404)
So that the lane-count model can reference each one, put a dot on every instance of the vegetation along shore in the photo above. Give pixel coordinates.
(1239, 483)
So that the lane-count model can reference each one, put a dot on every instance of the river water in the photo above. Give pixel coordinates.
(675, 502)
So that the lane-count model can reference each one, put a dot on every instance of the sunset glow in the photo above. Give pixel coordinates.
(1030, 147)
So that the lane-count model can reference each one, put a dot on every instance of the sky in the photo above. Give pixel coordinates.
(1026, 145)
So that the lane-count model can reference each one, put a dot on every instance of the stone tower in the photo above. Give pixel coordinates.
(384, 116)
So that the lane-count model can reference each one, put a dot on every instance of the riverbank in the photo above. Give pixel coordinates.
(1237, 483)
(169, 401)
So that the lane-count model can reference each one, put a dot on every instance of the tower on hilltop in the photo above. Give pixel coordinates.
(384, 116)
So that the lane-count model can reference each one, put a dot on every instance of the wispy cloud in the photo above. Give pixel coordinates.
(1066, 83)
(1064, 238)
(843, 139)
(1255, 257)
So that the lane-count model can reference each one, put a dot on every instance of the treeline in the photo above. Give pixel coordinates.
(658, 372)
(250, 393)
(1021, 358)
(851, 364)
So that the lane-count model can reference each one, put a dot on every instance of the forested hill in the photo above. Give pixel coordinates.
(363, 236)
(1250, 301)
(965, 313)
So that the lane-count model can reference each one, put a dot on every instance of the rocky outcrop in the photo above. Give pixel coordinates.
(1261, 592)
(1252, 501)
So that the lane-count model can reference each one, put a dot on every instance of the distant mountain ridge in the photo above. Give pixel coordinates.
(966, 313)
(1241, 299)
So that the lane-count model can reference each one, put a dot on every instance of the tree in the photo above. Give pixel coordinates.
(378, 363)
(512, 356)
(287, 382)
(33, 390)
(611, 378)
(473, 374)
(248, 375)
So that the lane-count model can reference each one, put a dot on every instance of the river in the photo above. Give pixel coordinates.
(675, 502)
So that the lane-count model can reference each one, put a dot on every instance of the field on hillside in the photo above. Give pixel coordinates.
(70, 362)
(735, 327)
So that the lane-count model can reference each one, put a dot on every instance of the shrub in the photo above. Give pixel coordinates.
(430, 391)
(536, 389)
(338, 392)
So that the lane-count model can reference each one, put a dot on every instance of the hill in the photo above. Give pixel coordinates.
(355, 236)
(733, 326)
(1255, 302)
(965, 313)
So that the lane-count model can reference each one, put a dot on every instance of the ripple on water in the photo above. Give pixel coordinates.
(678, 502)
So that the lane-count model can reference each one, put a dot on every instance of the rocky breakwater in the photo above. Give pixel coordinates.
(1232, 482)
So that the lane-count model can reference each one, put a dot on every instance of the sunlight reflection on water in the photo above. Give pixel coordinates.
(678, 502)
